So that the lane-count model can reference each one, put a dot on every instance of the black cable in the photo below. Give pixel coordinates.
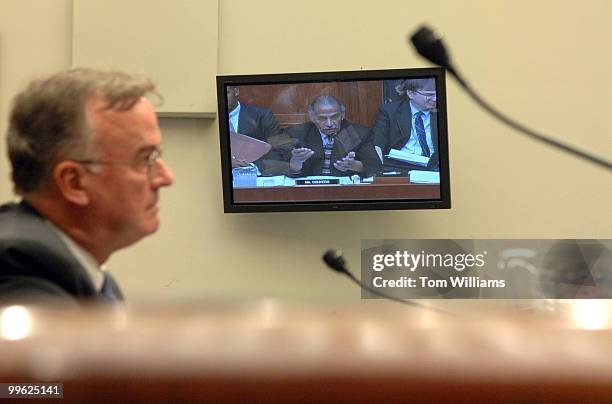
(429, 45)
(395, 299)
(531, 133)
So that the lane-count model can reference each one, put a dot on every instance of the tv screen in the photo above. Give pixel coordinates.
(356, 140)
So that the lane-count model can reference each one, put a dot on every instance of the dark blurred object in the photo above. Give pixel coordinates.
(429, 45)
(390, 93)
(577, 269)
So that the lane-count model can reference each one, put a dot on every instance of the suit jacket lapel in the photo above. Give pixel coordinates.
(313, 141)
(74, 275)
(246, 123)
(347, 140)
(403, 120)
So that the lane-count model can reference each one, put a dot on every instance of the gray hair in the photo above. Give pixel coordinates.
(48, 123)
(326, 100)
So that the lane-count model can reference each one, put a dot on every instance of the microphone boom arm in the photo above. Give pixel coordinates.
(526, 131)
(429, 45)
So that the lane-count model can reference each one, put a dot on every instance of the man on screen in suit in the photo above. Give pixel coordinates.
(84, 146)
(330, 144)
(409, 124)
(258, 123)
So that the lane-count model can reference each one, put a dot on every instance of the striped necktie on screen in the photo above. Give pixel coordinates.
(327, 152)
(420, 131)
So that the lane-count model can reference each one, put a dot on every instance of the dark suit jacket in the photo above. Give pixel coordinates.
(260, 123)
(35, 264)
(351, 138)
(257, 122)
(392, 129)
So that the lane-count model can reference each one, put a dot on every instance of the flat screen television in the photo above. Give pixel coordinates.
(332, 141)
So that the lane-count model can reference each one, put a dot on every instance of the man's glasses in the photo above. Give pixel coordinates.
(149, 162)
(431, 95)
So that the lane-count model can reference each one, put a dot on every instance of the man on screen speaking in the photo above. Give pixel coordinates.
(330, 144)
(409, 126)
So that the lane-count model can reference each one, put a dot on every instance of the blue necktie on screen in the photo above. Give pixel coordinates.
(420, 131)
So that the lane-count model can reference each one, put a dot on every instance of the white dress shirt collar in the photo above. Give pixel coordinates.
(87, 261)
(234, 116)
(414, 110)
(326, 139)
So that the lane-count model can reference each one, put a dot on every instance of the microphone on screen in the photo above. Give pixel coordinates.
(335, 260)
(429, 45)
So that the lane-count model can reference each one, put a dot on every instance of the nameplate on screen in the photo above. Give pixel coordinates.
(328, 181)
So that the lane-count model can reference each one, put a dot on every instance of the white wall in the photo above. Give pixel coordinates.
(35, 40)
(544, 62)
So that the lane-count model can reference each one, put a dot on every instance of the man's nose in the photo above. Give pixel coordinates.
(163, 177)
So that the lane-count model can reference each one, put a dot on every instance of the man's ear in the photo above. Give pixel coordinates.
(69, 178)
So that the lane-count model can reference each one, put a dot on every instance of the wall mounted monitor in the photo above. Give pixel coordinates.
(331, 141)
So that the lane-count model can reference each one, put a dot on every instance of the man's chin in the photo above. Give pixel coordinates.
(148, 227)
(137, 231)
(152, 226)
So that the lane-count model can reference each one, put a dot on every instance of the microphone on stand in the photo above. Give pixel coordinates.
(429, 45)
(335, 260)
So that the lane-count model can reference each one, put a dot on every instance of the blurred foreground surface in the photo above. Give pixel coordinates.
(299, 351)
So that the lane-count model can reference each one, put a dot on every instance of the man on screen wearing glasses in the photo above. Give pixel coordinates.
(409, 125)
(84, 146)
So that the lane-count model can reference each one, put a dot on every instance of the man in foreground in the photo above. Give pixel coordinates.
(84, 147)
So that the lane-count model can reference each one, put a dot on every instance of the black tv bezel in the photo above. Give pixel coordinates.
(317, 77)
